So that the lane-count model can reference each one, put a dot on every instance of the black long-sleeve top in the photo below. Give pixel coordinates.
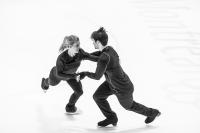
(67, 66)
(108, 65)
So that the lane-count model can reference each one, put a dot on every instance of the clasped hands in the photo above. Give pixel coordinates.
(81, 75)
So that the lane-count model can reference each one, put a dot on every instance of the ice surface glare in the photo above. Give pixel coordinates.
(158, 44)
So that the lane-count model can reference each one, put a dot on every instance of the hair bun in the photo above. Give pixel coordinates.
(101, 29)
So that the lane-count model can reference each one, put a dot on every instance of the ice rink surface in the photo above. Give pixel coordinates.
(158, 44)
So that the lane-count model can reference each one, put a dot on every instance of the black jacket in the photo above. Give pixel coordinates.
(108, 65)
(67, 66)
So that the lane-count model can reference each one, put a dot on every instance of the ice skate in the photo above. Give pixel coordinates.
(150, 119)
(44, 85)
(108, 121)
(71, 109)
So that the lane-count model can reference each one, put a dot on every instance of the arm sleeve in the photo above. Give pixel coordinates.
(92, 58)
(101, 67)
(96, 53)
(87, 56)
(60, 68)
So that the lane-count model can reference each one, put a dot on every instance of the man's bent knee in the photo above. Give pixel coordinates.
(127, 106)
(79, 93)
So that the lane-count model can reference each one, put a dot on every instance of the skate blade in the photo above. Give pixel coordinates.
(111, 125)
(114, 124)
(73, 113)
(158, 114)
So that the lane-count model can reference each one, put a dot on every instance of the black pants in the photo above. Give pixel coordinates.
(53, 80)
(125, 99)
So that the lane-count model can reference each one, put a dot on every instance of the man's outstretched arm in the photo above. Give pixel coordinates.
(101, 67)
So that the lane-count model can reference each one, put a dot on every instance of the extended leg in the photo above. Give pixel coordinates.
(52, 80)
(126, 100)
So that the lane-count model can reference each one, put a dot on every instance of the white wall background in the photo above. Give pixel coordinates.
(158, 43)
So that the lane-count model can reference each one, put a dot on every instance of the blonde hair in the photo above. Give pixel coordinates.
(70, 41)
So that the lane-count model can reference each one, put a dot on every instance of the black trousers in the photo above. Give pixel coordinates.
(53, 80)
(125, 99)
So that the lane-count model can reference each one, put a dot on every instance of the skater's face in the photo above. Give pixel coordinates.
(96, 44)
(75, 47)
(66, 45)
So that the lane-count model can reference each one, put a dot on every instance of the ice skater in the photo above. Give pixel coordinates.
(117, 82)
(66, 66)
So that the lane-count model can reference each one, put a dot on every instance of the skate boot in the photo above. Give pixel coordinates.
(70, 108)
(155, 113)
(44, 85)
(107, 121)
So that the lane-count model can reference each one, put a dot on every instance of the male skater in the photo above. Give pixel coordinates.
(117, 82)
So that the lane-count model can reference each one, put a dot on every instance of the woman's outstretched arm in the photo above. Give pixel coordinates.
(92, 56)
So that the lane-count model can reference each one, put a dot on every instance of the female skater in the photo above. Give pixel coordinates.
(117, 82)
(66, 66)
